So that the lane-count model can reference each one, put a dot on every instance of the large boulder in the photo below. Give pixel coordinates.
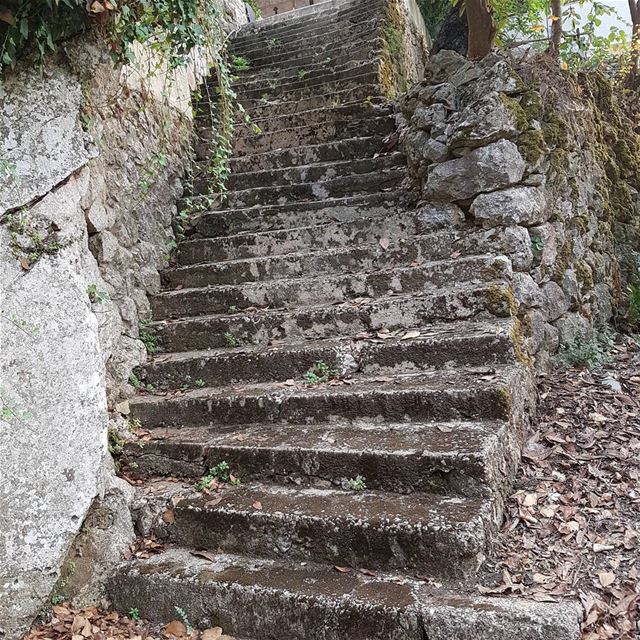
(518, 205)
(489, 168)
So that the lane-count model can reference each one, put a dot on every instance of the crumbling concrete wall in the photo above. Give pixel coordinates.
(90, 166)
(520, 153)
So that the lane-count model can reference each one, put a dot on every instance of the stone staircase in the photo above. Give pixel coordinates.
(367, 501)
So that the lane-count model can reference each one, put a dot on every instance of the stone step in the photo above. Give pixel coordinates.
(462, 344)
(279, 64)
(264, 32)
(348, 149)
(266, 81)
(338, 58)
(354, 32)
(389, 312)
(457, 458)
(465, 394)
(331, 187)
(199, 181)
(313, 134)
(215, 224)
(438, 535)
(314, 172)
(363, 109)
(262, 107)
(329, 290)
(322, 85)
(275, 87)
(271, 599)
(362, 258)
(326, 236)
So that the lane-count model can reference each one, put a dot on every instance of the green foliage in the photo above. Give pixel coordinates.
(240, 63)
(230, 340)
(357, 483)
(254, 6)
(134, 613)
(220, 473)
(320, 372)
(434, 12)
(115, 443)
(633, 305)
(30, 241)
(302, 73)
(149, 336)
(95, 296)
(184, 619)
(537, 243)
(593, 352)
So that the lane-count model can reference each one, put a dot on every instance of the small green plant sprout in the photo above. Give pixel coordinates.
(134, 613)
(368, 101)
(200, 383)
(182, 614)
(230, 340)
(357, 483)
(272, 43)
(633, 306)
(537, 244)
(320, 372)
(217, 475)
(240, 63)
(139, 384)
(116, 443)
(302, 73)
(57, 599)
(95, 296)
(232, 309)
(149, 336)
(590, 352)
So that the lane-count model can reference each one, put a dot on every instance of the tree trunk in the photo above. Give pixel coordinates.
(556, 27)
(482, 28)
(634, 10)
(453, 32)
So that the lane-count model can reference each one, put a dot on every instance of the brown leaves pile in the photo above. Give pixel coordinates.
(572, 527)
(67, 623)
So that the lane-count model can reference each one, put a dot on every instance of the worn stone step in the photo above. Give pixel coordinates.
(295, 175)
(465, 394)
(315, 290)
(337, 58)
(470, 344)
(459, 458)
(325, 236)
(273, 599)
(317, 86)
(313, 134)
(439, 535)
(390, 312)
(262, 107)
(346, 149)
(366, 71)
(316, 36)
(286, 31)
(295, 75)
(315, 172)
(227, 222)
(332, 187)
(358, 110)
(412, 251)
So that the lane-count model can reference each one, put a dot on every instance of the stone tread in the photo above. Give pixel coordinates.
(465, 393)
(364, 528)
(317, 602)
(461, 458)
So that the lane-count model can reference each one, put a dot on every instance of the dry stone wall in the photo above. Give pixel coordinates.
(522, 154)
(90, 166)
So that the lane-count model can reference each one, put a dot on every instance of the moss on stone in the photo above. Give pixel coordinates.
(531, 145)
(518, 338)
(517, 112)
(555, 130)
(557, 167)
(532, 105)
(563, 260)
(501, 302)
(584, 276)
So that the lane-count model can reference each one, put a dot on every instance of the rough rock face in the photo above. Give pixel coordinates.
(482, 136)
(91, 226)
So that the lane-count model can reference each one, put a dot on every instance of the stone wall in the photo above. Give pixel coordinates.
(520, 151)
(90, 164)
